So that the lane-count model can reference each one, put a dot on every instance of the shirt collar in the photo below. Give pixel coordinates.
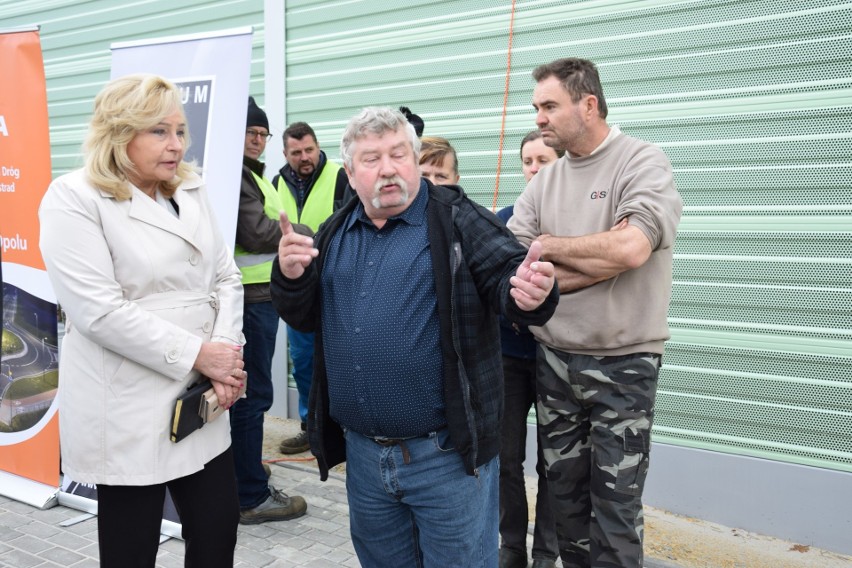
(255, 166)
(614, 131)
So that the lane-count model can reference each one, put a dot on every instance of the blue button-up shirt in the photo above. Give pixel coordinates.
(381, 332)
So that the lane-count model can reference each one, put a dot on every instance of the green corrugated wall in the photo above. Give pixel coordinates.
(75, 40)
(751, 100)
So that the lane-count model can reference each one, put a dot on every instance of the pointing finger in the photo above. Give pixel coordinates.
(284, 222)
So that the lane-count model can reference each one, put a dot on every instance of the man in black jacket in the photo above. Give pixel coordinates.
(402, 288)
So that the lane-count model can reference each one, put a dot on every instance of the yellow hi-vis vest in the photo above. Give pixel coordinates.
(257, 268)
(320, 202)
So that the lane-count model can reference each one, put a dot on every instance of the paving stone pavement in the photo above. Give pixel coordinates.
(35, 538)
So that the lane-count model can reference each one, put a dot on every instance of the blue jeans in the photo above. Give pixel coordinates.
(260, 325)
(427, 513)
(302, 355)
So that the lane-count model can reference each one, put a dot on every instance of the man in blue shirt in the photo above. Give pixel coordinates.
(402, 287)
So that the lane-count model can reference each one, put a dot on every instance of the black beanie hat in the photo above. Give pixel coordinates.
(415, 120)
(256, 116)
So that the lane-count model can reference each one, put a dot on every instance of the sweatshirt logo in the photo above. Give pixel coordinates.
(598, 194)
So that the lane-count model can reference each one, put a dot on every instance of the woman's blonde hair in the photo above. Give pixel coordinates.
(123, 108)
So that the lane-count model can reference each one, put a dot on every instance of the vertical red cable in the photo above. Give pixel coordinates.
(505, 105)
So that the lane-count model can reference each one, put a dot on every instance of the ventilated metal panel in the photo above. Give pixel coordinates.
(751, 100)
(75, 39)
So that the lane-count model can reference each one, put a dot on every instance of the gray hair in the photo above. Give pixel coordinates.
(376, 120)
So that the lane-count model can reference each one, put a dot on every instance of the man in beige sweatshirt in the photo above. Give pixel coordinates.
(606, 214)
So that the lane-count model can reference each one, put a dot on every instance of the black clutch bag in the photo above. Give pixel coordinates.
(187, 416)
(197, 406)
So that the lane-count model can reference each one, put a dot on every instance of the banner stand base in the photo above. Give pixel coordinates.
(168, 529)
(28, 491)
(78, 502)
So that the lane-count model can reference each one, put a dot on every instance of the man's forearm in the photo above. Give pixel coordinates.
(294, 299)
(570, 280)
(599, 255)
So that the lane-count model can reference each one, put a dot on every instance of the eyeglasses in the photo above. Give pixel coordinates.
(252, 133)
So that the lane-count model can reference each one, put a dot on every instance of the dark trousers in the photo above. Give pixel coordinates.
(520, 393)
(129, 518)
(260, 325)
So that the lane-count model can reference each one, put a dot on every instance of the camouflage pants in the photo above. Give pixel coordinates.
(594, 419)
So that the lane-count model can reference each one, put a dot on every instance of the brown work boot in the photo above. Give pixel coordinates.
(295, 445)
(278, 507)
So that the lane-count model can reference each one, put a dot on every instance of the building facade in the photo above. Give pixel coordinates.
(751, 100)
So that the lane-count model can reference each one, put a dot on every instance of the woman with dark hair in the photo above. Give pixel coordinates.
(535, 154)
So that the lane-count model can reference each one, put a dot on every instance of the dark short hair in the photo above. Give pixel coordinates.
(578, 76)
(535, 135)
(297, 131)
(414, 119)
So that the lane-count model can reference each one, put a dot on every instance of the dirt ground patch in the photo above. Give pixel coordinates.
(687, 542)
(276, 429)
(694, 543)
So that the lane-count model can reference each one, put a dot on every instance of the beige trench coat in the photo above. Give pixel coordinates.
(142, 290)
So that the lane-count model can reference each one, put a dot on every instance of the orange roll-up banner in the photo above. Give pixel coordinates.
(29, 432)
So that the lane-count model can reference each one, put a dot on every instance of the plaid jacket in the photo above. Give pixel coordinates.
(473, 257)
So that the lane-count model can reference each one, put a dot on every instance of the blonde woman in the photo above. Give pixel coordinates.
(153, 300)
